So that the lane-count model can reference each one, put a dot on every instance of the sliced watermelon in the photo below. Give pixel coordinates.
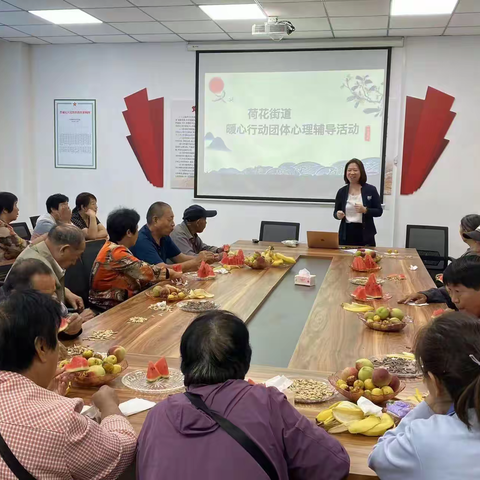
(360, 293)
(370, 263)
(177, 268)
(359, 264)
(370, 285)
(438, 312)
(152, 373)
(63, 325)
(162, 368)
(377, 291)
(251, 382)
(77, 364)
(226, 248)
(203, 271)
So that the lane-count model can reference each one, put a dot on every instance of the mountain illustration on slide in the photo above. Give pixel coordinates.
(209, 136)
(372, 167)
(218, 144)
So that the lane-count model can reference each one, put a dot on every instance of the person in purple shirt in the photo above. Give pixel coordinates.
(178, 441)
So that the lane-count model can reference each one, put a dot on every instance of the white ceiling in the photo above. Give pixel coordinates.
(132, 21)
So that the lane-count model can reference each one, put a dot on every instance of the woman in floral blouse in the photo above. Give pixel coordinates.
(11, 245)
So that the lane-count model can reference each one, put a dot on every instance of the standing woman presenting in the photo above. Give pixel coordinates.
(355, 205)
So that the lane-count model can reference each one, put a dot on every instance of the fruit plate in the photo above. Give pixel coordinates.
(363, 281)
(369, 270)
(379, 362)
(386, 296)
(199, 279)
(164, 386)
(389, 328)
(197, 306)
(353, 397)
(82, 380)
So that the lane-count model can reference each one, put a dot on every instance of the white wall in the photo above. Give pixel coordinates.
(16, 111)
(450, 64)
(111, 72)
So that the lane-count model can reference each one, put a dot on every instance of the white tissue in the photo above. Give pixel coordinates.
(130, 407)
(281, 382)
(368, 407)
(135, 405)
(413, 304)
(413, 267)
(304, 273)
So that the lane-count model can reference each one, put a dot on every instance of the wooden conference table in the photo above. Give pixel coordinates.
(329, 339)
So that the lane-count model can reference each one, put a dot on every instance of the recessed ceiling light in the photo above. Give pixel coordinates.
(422, 7)
(234, 12)
(65, 17)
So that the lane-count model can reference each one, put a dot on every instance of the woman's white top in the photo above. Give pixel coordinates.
(352, 215)
(427, 446)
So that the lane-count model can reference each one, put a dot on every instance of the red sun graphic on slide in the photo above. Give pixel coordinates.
(216, 85)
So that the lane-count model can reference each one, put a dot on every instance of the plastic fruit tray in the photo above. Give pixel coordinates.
(353, 397)
(389, 328)
(83, 380)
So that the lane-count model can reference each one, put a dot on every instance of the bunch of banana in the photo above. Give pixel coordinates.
(348, 417)
(357, 307)
(277, 259)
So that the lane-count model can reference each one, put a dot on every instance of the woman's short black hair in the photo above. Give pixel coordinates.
(215, 348)
(449, 348)
(24, 317)
(21, 274)
(464, 271)
(83, 200)
(54, 201)
(363, 173)
(120, 221)
(7, 201)
(469, 223)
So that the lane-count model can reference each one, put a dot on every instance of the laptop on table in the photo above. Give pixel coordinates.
(322, 240)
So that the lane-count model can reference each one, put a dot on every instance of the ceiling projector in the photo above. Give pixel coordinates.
(274, 29)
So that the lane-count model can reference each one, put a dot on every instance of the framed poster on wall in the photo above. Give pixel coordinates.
(75, 133)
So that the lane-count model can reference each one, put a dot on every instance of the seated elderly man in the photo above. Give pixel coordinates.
(58, 212)
(216, 356)
(33, 274)
(44, 431)
(62, 248)
(185, 234)
(154, 244)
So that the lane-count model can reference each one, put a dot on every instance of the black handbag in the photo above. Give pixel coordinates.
(12, 463)
(238, 435)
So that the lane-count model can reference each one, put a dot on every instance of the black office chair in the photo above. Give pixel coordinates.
(432, 245)
(21, 229)
(34, 221)
(279, 231)
(77, 277)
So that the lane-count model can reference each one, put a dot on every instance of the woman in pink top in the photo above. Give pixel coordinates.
(45, 431)
(178, 441)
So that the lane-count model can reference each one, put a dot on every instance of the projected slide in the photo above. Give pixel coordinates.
(288, 134)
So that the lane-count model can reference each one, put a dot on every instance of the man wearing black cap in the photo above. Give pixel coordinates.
(185, 235)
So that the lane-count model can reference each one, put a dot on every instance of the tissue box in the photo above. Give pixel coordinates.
(308, 281)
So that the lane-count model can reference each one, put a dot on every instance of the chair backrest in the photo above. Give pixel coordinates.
(90, 254)
(21, 229)
(34, 220)
(279, 231)
(77, 277)
(431, 243)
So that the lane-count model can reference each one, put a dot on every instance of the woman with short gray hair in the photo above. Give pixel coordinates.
(224, 427)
